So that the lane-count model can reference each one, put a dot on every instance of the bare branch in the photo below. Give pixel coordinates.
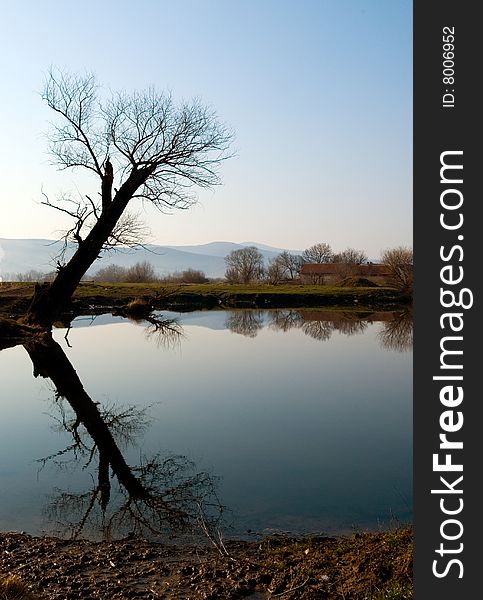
(78, 211)
(130, 231)
(75, 143)
(181, 146)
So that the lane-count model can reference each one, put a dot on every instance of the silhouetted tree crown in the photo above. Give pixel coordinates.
(399, 262)
(318, 253)
(140, 145)
(244, 265)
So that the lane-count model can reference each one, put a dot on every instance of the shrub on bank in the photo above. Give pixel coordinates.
(13, 588)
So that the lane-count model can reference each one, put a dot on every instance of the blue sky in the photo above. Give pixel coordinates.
(319, 94)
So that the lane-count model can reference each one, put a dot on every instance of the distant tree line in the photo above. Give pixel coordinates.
(32, 275)
(144, 272)
(247, 265)
(187, 276)
(140, 272)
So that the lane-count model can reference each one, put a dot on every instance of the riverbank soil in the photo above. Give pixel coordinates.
(365, 566)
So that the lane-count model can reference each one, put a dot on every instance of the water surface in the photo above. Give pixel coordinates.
(306, 420)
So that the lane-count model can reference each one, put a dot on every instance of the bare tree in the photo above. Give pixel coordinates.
(193, 276)
(275, 272)
(318, 253)
(350, 256)
(111, 274)
(291, 264)
(140, 145)
(141, 272)
(285, 266)
(244, 265)
(348, 261)
(188, 276)
(399, 262)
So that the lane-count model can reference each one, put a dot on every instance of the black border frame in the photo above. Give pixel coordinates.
(439, 128)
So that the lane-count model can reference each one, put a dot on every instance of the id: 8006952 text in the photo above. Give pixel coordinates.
(448, 67)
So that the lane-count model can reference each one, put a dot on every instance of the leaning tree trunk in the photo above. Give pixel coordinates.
(49, 300)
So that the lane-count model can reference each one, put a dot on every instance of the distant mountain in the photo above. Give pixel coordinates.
(224, 248)
(19, 256)
(22, 255)
(264, 247)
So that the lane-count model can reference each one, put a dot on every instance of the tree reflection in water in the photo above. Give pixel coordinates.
(166, 333)
(161, 495)
(396, 334)
(245, 322)
(318, 330)
(284, 320)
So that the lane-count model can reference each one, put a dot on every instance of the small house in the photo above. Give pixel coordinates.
(333, 273)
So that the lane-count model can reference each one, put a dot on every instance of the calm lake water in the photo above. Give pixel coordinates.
(307, 421)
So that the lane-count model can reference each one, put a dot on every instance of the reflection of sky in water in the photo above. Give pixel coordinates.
(305, 433)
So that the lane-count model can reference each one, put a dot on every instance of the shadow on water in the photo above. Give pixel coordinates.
(162, 495)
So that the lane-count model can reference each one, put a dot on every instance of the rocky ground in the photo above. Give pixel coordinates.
(369, 566)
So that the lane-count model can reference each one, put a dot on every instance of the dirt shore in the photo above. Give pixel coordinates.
(369, 566)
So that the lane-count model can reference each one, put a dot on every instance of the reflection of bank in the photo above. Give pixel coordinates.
(161, 495)
(396, 332)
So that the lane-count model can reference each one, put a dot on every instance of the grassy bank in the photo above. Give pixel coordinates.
(223, 290)
(15, 296)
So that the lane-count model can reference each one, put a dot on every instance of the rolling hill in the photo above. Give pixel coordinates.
(23, 255)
